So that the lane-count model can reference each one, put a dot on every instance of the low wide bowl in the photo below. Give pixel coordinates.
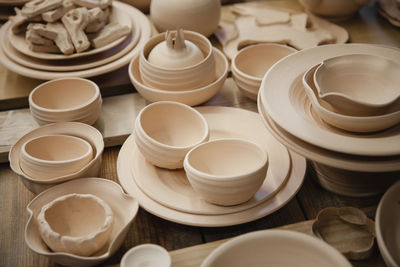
(251, 63)
(275, 248)
(165, 131)
(387, 221)
(50, 156)
(123, 206)
(176, 79)
(66, 99)
(335, 9)
(333, 116)
(149, 255)
(226, 171)
(77, 129)
(359, 84)
(191, 97)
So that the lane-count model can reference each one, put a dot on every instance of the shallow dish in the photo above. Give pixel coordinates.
(149, 255)
(273, 247)
(122, 205)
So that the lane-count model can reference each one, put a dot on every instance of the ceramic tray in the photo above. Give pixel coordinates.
(284, 100)
(145, 33)
(172, 189)
(287, 192)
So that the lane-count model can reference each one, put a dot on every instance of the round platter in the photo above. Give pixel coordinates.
(172, 189)
(282, 89)
(284, 195)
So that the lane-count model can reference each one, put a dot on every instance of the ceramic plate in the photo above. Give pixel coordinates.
(118, 15)
(145, 33)
(324, 156)
(282, 92)
(284, 195)
(172, 188)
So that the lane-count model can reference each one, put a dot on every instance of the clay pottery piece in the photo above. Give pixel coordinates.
(66, 99)
(149, 255)
(143, 5)
(188, 96)
(201, 16)
(76, 192)
(387, 228)
(348, 230)
(226, 171)
(345, 121)
(79, 224)
(359, 83)
(165, 131)
(335, 9)
(50, 156)
(251, 63)
(172, 61)
(271, 247)
(76, 129)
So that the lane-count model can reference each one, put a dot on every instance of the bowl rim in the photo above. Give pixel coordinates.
(153, 247)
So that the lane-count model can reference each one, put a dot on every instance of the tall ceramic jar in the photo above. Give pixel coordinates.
(196, 15)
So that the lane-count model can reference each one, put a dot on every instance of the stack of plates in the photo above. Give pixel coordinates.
(16, 56)
(168, 194)
(346, 163)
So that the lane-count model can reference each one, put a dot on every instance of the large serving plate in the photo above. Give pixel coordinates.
(287, 191)
(118, 15)
(282, 94)
(172, 189)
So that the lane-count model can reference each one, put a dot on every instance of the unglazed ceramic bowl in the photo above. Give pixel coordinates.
(188, 96)
(79, 224)
(176, 79)
(387, 222)
(65, 99)
(165, 131)
(359, 84)
(226, 171)
(335, 117)
(282, 248)
(50, 156)
(336, 9)
(201, 16)
(251, 63)
(148, 255)
(77, 129)
(123, 206)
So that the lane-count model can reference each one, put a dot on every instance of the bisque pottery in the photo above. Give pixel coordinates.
(79, 224)
(149, 255)
(335, 9)
(339, 119)
(51, 156)
(201, 16)
(226, 171)
(251, 63)
(274, 248)
(76, 129)
(387, 221)
(172, 61)
(66, 99)
(123, 206)
(165, 131)
(188, 96)
(359, 84)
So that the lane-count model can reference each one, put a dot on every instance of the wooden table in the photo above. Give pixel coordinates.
(147, 228)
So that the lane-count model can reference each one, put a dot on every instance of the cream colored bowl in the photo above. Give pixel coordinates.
(339, 9)
(149, 255)
(226, 171)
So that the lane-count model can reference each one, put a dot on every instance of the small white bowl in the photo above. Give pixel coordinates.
(359, 84)
(387, 226)
(148, 255)
(251, 63)
(191, 97)
(66, 99)
(333, 116)
(165, 131)
(281, 248)
(50, 156)
(226, 171)
(79, 224)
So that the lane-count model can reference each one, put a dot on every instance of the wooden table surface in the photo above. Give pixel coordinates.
(366, 27)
